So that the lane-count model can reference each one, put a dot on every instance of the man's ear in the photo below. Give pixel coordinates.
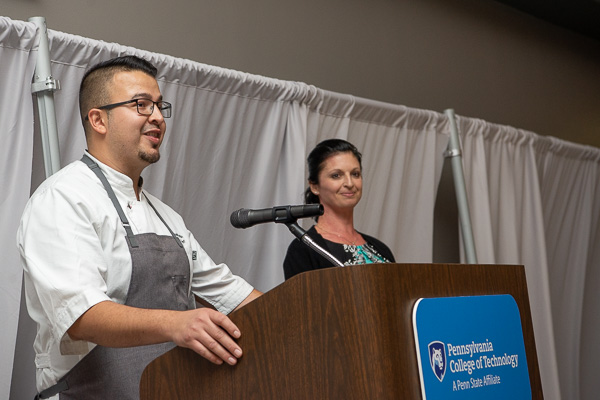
(98, 120)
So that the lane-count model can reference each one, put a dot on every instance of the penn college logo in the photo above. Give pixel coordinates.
(437, 359)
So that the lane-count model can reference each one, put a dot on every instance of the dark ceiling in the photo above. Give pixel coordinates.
(581, 16)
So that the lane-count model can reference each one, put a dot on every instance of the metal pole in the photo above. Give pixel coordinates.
(43, 87)
(454, 152)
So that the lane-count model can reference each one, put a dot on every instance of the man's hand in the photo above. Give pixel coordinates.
(209, 333)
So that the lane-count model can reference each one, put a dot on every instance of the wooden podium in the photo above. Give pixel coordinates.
(336, 333)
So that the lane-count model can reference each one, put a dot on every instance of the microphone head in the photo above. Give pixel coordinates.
(239, 218)
(312, 210)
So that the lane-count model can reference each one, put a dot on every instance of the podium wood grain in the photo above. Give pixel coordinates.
(337, 333)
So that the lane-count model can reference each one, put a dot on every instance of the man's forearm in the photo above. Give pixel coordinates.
(115, 325)
(206, 331)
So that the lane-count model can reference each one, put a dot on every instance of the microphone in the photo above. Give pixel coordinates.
(244, 218)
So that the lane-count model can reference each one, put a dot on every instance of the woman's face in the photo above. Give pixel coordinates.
(340, 182)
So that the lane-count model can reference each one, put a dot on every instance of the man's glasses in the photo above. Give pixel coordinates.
(144, 106)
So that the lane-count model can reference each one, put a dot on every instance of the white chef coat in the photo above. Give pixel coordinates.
(74, 254)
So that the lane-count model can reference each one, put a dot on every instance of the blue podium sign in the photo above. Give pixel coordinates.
(471, 348)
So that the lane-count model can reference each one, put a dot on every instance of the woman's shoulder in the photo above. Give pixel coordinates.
(380, 246)
(371, 239)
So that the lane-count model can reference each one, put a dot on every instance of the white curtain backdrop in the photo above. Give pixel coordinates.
(17, 63)
(535, 201)
(570, 194)
(240, 141)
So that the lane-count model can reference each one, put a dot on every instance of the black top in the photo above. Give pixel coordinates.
(301, 258)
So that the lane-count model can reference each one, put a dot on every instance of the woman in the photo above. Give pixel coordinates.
(335, 181)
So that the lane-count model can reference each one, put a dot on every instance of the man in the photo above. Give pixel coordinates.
(111, 272)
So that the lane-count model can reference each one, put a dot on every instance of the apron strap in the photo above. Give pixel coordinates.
(52, 390)
(164, 222)
(111, 194)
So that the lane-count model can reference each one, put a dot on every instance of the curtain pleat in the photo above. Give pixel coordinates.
(534, 201)
(569, 186)
(17, 58)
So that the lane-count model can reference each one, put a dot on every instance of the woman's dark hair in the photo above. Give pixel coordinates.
(317, 157)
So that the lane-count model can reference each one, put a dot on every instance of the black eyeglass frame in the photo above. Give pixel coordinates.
(165, 110)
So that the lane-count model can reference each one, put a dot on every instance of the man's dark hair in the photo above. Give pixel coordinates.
(94, 89)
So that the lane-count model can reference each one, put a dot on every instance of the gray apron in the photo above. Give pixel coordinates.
(160, 279)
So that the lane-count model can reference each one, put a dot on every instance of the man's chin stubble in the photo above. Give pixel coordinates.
(149, 158)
